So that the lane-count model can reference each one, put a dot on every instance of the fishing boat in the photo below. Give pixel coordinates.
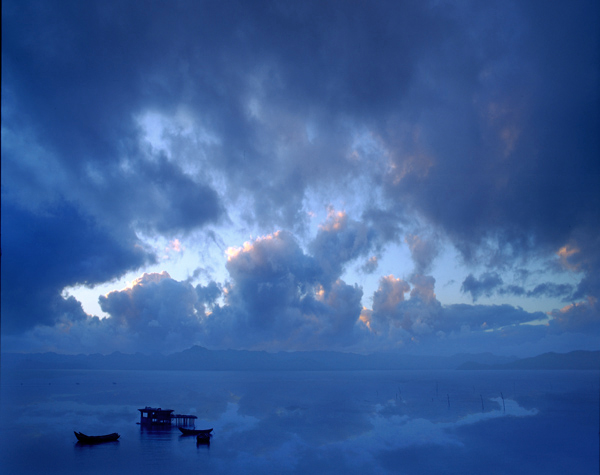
(96, 439)
(185, 431)
(203, 438)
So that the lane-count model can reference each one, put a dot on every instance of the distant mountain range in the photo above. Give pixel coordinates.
(198, 358)
(589, 360)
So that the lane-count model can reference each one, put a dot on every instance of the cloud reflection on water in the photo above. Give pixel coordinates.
(393, 432)
(288, 444)
(359, 422)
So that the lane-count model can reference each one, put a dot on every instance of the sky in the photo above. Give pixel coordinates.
(410, 176)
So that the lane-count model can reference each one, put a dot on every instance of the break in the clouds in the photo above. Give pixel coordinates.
(43, 253)
(379, 150)
(280, 298)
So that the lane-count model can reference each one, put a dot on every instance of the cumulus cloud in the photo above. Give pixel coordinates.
(271, 278)
(340, 240)
(275, 301)
(155, 311)
(278, 292)
(422, 324)
(394, 316)
(388, 297)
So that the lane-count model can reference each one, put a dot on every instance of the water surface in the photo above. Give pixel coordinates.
(405, 422)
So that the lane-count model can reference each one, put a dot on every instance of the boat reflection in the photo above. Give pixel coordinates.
(156, 432)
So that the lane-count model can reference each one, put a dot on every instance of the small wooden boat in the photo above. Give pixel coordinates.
(185, 431)
(96, 439)
(203, 438)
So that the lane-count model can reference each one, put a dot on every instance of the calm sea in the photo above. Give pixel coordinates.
(401, 422)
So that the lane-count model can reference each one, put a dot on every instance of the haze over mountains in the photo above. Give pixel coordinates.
(199, 358)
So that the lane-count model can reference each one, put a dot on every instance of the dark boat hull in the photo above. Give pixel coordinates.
(203, 439)
(185, 431)
(96, 439)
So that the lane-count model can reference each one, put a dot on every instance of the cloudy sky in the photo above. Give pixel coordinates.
(419, 176)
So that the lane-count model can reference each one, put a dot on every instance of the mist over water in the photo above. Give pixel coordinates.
(304, 422)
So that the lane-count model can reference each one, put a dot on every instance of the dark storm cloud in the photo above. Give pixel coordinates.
(76, 77)
(43, 253)
(504, 154)
(453, 76)
(479, 119)
(76, 74)
(469, 80)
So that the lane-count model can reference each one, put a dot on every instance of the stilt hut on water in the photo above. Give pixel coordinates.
(158, 416)
(155, 416)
